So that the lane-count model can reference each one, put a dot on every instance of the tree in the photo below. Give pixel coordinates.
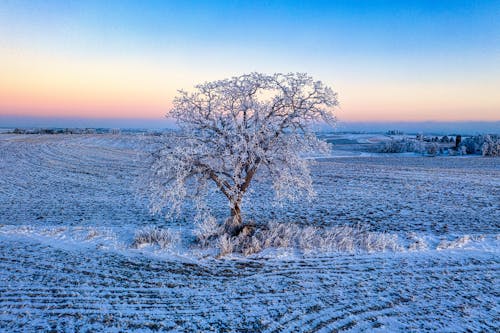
(235, 130)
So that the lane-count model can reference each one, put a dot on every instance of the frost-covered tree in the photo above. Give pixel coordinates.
(234, 130)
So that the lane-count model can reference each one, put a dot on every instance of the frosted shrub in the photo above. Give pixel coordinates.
(225, 244)
(432, 149)
(404, 146)
(207, 229)
(491, 146)
(409, 146)
(308, 239)
(462, 150)
(395, 146)
(92, 233)
(418, 243)
(378, 242)
(472, 145)
(352, 239)
(487, 145)
(279, 235)
(457, 243)
(164, 238)
(339, 239)
(253, 246)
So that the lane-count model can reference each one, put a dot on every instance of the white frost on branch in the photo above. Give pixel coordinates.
(234, 130)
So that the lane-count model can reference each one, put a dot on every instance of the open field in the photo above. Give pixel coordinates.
(69, 211)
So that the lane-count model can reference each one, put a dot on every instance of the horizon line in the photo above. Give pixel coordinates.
(367, 126)
(48, 117)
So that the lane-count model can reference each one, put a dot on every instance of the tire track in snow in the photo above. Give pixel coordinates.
(44, 288)
(398, 291)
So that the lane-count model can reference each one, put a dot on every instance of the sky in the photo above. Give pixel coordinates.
(389, 61)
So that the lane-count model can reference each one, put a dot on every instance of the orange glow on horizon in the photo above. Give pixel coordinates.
(36, 85)
(55, 87)
(406, 101)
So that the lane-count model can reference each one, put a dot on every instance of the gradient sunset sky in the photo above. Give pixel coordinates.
(388, 60)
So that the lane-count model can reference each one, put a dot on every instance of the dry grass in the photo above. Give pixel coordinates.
(149, 236)
(306, 239)
(207, 230)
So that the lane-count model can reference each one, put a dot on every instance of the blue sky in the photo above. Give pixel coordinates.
(388, 60)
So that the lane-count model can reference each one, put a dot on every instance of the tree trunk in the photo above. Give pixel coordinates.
(234, 223)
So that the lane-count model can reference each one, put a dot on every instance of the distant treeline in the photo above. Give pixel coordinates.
(486, 145)
(82, 131)
(65, 131)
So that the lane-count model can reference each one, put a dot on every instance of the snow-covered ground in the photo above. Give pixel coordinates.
(69, 211)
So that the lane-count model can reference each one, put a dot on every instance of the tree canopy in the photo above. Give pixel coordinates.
(234, 129)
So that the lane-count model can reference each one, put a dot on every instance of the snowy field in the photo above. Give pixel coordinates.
(69, 211)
